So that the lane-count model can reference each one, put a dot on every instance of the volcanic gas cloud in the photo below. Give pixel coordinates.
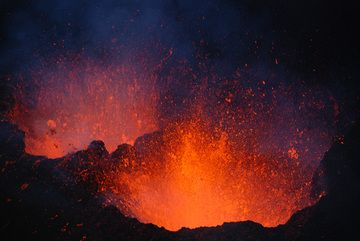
(225, 149)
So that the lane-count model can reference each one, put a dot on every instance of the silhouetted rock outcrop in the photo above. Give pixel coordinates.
(56, 199)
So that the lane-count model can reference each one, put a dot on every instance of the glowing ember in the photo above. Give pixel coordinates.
(229, 150)
(200, 180)
(78, 101)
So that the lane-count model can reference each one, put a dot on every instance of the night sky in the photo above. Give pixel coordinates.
(276, 81)
(313, 40)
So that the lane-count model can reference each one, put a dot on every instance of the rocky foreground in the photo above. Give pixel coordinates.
(57, 199)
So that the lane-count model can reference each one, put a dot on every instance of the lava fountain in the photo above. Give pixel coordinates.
(193, 174)
(77, 100)
(245, 149)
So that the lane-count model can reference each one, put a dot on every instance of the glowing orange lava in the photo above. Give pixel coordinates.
(225, 150)
(75, 102)
(200, 180)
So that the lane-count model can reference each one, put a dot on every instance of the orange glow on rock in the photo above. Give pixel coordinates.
(203, 181)
(243, 150)
(77, 101)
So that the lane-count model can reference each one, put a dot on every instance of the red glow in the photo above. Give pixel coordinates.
(80, 101)
(203, 181)
(244, 154)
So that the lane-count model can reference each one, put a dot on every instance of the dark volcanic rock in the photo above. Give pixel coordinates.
(56, 199)
(97, 150)
(11, 141)
(124, 157)
(228, 231)
(44, 199)
(335, 216)
(83, 167)
(124, 151)
(146, 144)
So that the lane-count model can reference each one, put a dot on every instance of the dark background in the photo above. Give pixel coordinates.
(316, 41)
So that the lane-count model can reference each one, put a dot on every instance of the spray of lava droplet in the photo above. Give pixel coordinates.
(74, 102)
(245, 150)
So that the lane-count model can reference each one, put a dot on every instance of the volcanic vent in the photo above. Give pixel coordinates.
(216, 150)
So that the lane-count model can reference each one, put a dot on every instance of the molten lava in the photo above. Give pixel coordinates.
(201, 180)
(74, 102)
(229, 150)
